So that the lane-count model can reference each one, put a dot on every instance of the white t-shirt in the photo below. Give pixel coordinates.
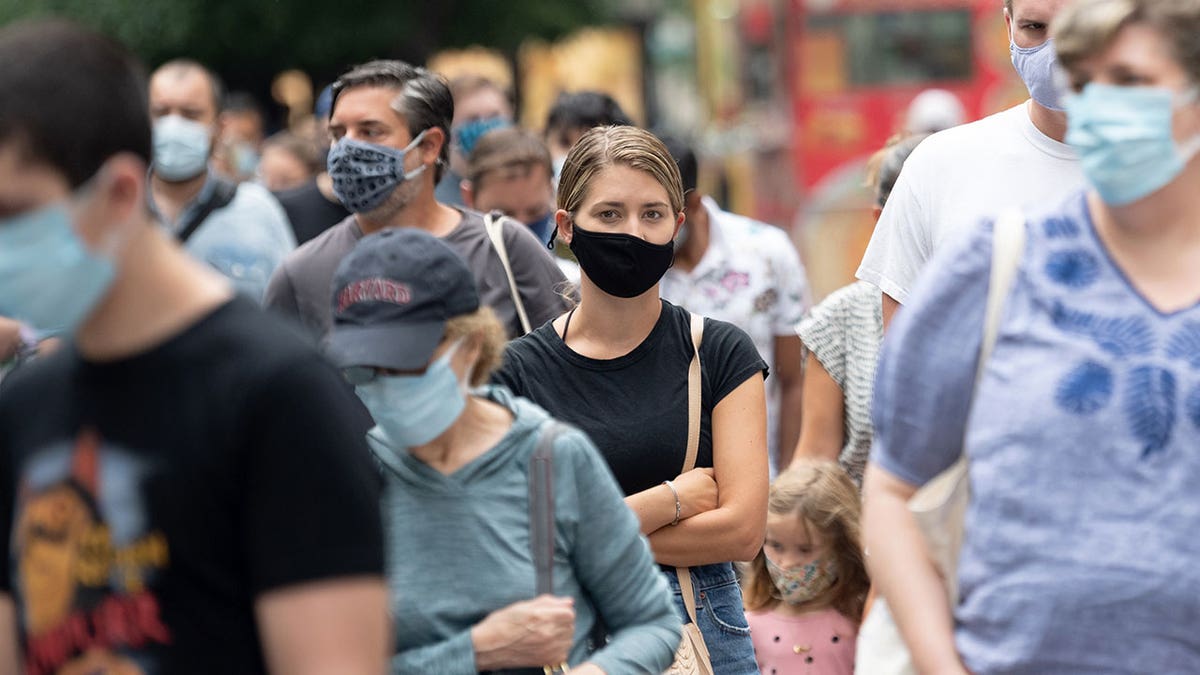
(954, 179)
(751, 277)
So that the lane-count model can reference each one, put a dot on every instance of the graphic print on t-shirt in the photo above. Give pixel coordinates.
(83, 557)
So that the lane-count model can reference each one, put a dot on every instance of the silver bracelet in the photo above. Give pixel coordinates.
(671, 486)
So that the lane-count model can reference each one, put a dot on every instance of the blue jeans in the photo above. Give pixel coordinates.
(720, 616)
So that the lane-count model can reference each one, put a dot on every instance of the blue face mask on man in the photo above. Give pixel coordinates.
(365, 174)
(468, 134)
(1038, 68)
(413, 410)
(48, 277)
(1124, 139)
(543, 227)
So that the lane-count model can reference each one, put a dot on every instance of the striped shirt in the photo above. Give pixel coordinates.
(843, 333)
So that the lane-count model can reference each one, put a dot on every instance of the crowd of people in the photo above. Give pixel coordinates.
(421, 391)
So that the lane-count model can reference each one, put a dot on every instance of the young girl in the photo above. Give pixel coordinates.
(805, 590)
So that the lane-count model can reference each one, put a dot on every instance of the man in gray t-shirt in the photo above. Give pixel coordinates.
(390, 123)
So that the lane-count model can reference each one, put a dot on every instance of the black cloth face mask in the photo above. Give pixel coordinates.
(621, 264)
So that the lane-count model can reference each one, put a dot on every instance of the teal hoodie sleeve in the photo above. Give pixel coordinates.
(453, 656)
(613, 563)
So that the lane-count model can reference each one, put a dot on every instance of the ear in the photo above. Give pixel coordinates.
(122, 185)
(1008, 23)
(431, 145)
(679, 220)
(467, 189)
(876, 211)
(562, 220)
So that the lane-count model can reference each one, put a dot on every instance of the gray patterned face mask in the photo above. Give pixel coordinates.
(365, 174)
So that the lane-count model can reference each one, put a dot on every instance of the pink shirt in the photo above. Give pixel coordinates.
(817, 643)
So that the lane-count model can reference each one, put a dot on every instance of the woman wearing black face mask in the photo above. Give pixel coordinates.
(617, 367)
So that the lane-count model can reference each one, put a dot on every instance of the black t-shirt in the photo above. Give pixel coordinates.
(145, 503)
(309, 212)
(634, 407)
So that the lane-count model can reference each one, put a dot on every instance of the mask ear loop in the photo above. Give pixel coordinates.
(1191, 147)
(409, 175)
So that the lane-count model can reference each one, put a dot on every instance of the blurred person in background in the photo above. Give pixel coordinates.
(158, 471)
(1079, 551)
(509, 172)
(963, 174)
(313, 207)
(617, 366)
(739, 270)
(239, 229)
(456, 458)
(480, 105)
(841, 337)
(574, 114)
(239, 142)
(288, 162)
(391, 125)
(933, 110)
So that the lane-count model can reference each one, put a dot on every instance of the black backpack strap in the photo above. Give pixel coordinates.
(223, 192)
(541, 506)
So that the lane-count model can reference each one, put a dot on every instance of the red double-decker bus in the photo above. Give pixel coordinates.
(854, 67)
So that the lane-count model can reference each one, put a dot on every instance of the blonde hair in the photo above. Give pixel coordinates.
(603, 147)
(484, 323)
(822, 495)
(1088, 27)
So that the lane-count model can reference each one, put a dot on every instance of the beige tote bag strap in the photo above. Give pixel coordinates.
(693, 448)
(693, 440)
(494, 223)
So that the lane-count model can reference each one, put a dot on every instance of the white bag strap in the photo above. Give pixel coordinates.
(1008, 244)
(494, 223)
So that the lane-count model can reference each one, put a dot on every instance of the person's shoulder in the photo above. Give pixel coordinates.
(533, 344)
(967, 142)
(36, 380)
(1067, 218)
(252, 196)
(299, 196)
(336, 240)
(246, 332)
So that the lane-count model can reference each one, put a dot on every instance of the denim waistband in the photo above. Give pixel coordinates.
(703, 576)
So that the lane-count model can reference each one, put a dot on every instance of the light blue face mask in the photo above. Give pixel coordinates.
(1123, 136)
(1038, 68)
(48, 277)
(365, 174)
(181, 148)
(467, 135)
(413, 410)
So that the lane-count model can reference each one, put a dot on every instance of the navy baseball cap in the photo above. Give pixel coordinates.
(392, 296)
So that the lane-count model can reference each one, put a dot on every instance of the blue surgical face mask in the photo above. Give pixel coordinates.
(543, 227)
(1124, 139)
(413, 410)
(1038, 68)
(48, 277)
(365, 174)
(181, 148)
(467, 135)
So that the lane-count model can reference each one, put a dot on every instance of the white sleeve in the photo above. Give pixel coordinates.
(791, 284)
(902, 241)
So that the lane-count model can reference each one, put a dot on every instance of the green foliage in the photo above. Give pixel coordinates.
(254, 38)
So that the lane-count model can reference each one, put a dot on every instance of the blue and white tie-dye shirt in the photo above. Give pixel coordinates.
(1082, 552)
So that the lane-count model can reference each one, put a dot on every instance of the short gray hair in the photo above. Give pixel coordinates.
(424, 100)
